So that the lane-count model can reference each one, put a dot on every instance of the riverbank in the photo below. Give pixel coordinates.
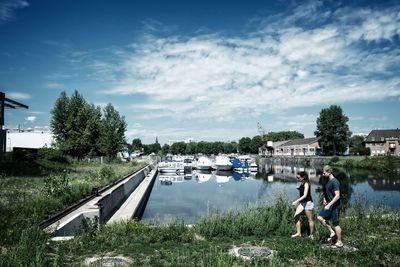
(26, 200)
(208, 243)
(387, 164)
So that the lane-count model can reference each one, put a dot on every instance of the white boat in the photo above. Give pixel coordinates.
(247, 163)
(170, 167)
(223, 163)
(203, 163)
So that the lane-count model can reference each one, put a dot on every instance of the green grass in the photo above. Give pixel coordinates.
(386, 164)
(373, 232)
(27, 200)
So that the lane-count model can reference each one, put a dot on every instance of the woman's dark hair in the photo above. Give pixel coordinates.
(304, 176)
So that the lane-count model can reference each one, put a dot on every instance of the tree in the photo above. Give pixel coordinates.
(113, 128)
(165, 149)
(283, 136)
(74, 143)
(59, 118)
(357, 147)
(244, 145)
(255, 144)
(178, 148)
(93, 130)
(333, 131)
(137, 144)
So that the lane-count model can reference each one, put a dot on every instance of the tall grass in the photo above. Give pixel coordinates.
(276, 219)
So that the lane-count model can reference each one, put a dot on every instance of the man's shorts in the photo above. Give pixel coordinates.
(332, 214)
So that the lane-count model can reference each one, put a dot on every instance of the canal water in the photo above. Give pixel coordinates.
(191, 196)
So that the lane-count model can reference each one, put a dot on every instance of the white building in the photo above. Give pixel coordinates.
(28, 139)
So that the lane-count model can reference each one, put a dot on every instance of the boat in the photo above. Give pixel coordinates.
(203, 163)
(222, 163)
(244, 164)
(170, 167)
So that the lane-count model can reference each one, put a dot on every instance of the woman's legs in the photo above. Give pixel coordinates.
(309, 214)
(297, 214)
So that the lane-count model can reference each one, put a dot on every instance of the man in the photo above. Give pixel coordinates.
(329, 214)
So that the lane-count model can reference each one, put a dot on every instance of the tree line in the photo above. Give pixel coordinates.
(82, 129)
(246, 145)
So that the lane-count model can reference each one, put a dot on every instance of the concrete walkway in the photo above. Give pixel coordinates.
(131, 207)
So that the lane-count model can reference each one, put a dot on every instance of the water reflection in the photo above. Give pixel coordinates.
(194, 194)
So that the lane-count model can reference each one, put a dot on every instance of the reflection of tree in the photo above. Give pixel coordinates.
(264, 176)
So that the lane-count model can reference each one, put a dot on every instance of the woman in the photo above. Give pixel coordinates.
(304, 203)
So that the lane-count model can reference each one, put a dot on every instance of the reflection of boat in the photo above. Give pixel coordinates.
(169, 179)
(202, 177)
(203, 163)
(222, 176)
(170, 167)
(223, 163)
(240, 176)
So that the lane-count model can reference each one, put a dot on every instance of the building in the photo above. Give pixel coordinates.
(298, 147)
(383, 142)
(28, 139)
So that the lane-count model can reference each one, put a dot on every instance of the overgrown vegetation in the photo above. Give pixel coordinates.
(374, 233)
(28, 198)
(386, 164)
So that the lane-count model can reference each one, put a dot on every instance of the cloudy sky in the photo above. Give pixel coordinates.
(208, 70)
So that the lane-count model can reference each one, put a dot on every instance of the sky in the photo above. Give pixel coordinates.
(207, 70)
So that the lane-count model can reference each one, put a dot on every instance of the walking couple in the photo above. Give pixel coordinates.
(329, 214)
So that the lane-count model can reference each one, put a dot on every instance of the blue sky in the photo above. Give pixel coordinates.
(208, 70)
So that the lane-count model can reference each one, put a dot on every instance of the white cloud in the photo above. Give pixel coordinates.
(54, 85)
(8, 8)
(30, 119)
(311, 57)
(18, 96)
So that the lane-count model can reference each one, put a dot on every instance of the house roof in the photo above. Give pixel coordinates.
(377, 135)
(298, 142)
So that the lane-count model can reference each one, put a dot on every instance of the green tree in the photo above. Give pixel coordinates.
(191, 148)
(178, 148)
(357, 146)
(74, 143)
(333, 131)
(244, 145)
(165, 149)
(137, 144)
(283, 136)
(255, 144)
(59, 118)
(113, 129)
(92, 130)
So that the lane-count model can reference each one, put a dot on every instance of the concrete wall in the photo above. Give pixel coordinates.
(111, 202)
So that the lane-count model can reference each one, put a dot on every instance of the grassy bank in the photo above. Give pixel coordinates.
(26, 199)
(378, 163)
(208, 242)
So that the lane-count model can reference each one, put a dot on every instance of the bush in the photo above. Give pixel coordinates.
(52, 154)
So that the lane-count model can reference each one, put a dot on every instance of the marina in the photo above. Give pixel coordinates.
(192, 196)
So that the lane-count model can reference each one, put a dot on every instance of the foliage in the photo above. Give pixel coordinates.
(151, 148)
(245, 145)
(283, 136)
(333, 131)
(137, 144)
(53, 154)
(357, 147)
(256, 143)
(113, 127)
(56, 185)
(165, 149)
(80, 129)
